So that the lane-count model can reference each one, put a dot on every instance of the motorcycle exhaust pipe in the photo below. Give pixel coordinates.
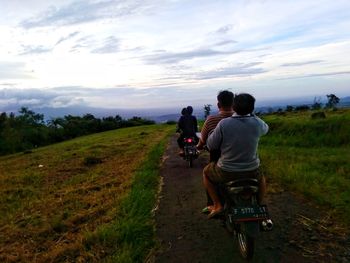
(267, 225)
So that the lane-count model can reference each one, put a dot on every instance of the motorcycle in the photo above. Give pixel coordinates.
(243, 217)
(190, 150)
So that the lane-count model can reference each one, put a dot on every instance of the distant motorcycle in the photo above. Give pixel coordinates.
(243, 217)
(190, 150)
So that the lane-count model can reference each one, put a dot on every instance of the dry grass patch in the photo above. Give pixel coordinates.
(52, 198)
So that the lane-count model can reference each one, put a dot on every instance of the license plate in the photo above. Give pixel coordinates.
(249, 213)
(191, 150)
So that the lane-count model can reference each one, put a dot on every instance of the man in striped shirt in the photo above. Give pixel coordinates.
(225, 104)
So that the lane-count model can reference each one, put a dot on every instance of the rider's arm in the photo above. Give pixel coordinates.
(195, 124)
(180, 125)
(200, 144)
(204, 136)
(264, 128)
(215, 138)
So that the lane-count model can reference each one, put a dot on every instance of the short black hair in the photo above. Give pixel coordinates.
(189, 110)
(184, 111)
(225, 98)
(243, 103)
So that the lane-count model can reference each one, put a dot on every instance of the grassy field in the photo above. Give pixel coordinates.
(85, 200)
(311, 157)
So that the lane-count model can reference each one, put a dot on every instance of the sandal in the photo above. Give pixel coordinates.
(215, 213)
(207, 209)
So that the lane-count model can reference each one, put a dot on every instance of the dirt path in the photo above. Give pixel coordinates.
(301, 233)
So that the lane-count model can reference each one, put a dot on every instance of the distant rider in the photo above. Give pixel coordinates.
(187, 126)
(180, 121)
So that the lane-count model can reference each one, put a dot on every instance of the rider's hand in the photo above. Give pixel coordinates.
(199, 146)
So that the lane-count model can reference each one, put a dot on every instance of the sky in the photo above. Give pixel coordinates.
(170, 53)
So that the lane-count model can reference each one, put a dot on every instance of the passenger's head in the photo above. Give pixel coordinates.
(225, 99)
(189, 110)
(243, 103)
(184, 111)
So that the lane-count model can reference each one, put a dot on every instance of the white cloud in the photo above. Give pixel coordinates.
(110, 45)
(13, 70)
(30, 50)
(81, 11)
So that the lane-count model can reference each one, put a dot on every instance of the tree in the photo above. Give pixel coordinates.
(31, 128)
(289, 108)
(3, 119)
(55, 123)
(332, 101)
(30, 117)
(28, 130)
(302, 108)
(207, 110)
(317, 104)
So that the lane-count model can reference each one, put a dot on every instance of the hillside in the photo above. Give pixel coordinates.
(62, 202)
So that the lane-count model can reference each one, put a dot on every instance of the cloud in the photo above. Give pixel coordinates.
(62, 39)
(85, 11)
(301, 63)
(8, 84)
(13, 70)
(240, 70)
(225, 42)
(29, 50)
(83, 42)
(13, 99)
(318, 75)
(164, 57)
(224, 29)
(84, 98)
(110, 45)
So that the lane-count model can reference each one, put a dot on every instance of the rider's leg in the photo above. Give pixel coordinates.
(217, 206)
(209, 200)
(212, 192)
(180, 142)
(214, 157)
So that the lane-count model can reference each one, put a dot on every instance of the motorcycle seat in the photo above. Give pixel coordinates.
(245, 184)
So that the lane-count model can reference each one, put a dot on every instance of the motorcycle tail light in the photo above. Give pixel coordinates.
(189, 140)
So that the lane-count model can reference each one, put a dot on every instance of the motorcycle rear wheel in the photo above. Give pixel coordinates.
(246, 245)
(228, 225)
(190, 161)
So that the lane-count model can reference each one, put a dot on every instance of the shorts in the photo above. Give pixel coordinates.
(216, 175)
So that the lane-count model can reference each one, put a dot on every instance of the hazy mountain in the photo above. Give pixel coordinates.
(172, 114)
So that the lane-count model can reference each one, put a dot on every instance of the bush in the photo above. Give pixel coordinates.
(318, 115)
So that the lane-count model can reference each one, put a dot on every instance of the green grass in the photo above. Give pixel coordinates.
(131, 234)
(300, 130)
(311, 157)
